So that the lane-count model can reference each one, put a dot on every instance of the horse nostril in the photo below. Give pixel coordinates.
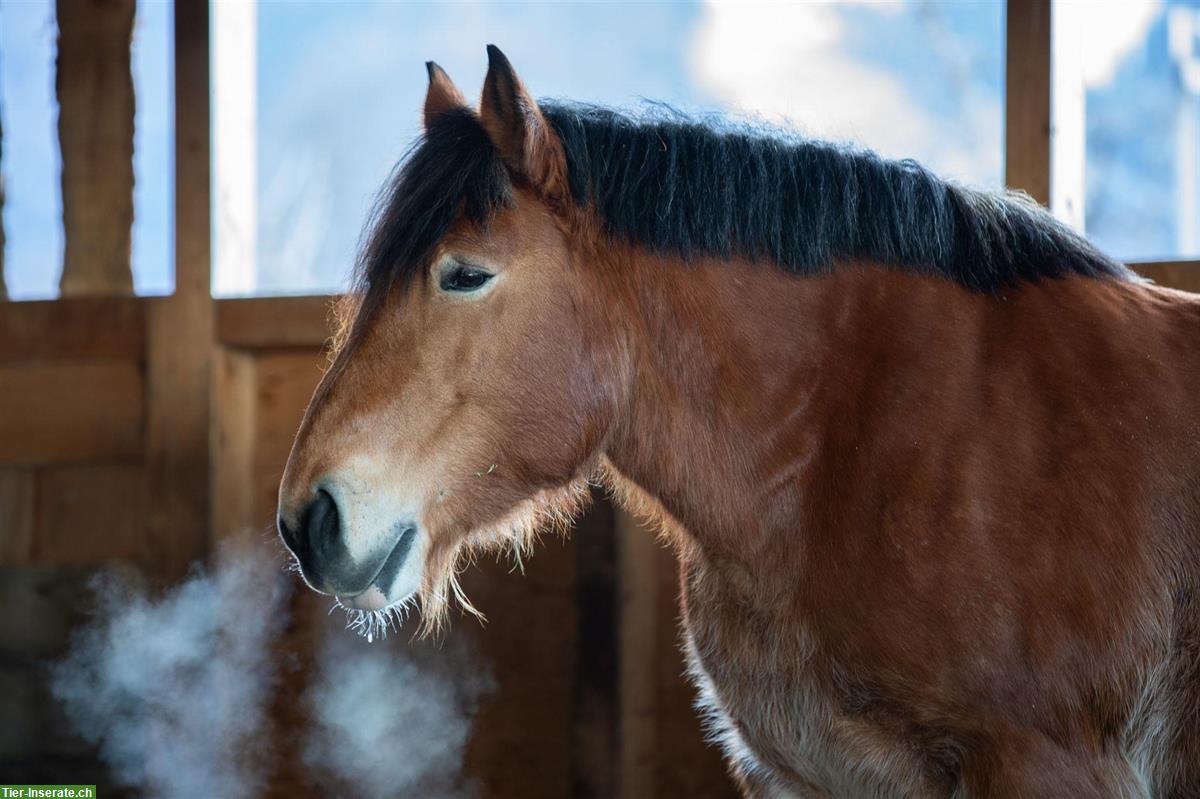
(320, 523)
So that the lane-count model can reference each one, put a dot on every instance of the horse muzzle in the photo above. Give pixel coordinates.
(319, 542)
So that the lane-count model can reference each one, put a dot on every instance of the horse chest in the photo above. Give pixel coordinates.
(781, 728)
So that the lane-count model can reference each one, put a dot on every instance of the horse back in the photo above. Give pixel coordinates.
(1042, 507)
(1000, 546)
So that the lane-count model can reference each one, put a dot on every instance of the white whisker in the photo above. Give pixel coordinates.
(372, 624)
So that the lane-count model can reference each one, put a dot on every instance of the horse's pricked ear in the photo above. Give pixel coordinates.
(525, 140)
(442, 95)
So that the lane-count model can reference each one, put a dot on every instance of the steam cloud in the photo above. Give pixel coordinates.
(388, 721)
(174, 691)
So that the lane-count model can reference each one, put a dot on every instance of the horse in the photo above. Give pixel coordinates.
(928, 458)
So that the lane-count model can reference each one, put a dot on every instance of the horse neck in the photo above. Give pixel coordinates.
(740, 373)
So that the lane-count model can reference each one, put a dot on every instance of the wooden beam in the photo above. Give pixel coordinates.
(95, 133)
(284, 383)
(260, 400)
(235, 414)
(179, 339)
(596, 709)
(66, 412)
(76, 329)
(638, 556)
(1027, 109)
(69, 502)
(531, 647)
(274, 322)
(1182, 275)
(16, 515)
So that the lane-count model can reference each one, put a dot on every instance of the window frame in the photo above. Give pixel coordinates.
(1037, 132)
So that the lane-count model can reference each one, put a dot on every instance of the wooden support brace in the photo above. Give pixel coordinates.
(180, 328)
(95, 132)
(1027, 112)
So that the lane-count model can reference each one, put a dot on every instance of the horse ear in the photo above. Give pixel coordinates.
(529, 146)
(442, 95)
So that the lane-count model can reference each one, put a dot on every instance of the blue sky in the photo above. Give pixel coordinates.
(340, 87)
(340, 84)
(31, 162)
(339, 94)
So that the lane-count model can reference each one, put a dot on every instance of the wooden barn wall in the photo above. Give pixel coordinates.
(145, 431)
(73, 494)
(71, 431)
(589, 698)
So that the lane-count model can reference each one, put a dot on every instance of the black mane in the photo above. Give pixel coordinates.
(672, 184)
(453, 167)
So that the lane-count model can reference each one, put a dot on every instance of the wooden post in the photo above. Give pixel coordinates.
(638, 558)
(16, 515)
(179, 342)
(95, 133)
(1027, 117)
(596, 704)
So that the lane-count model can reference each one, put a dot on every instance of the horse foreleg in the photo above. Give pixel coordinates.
(1034, 767)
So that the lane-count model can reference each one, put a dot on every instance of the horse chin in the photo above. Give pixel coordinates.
(376, 598)
(371, 599)
(375, 612)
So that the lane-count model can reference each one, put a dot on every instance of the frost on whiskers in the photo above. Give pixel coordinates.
(551, 510)
(375, 624)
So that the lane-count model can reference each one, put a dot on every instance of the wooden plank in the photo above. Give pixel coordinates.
(272, 322)
(1182, 275)
(284, 383)
(520, 741)
(638, 554)
(260, 400)
(177, 430)
(54, 413)
(95, 132)
(594, 729)
(16, 516)
(1027, 109)
(87, 515)
(234, 412)
(75, 329)
(179, 338)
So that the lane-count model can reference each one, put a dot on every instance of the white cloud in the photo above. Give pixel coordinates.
(1111, 31)
(788, 61)
(793, 63)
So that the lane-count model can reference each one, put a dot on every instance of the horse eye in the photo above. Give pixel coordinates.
(464, 278)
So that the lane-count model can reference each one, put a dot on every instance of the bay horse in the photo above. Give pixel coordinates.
(929, 460)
